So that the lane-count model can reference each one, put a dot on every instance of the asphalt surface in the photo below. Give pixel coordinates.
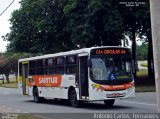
(12, 101)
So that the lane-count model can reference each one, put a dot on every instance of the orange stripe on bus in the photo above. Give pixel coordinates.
(116, 87)
(44, 81)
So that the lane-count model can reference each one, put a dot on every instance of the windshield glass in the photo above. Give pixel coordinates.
(111, 68)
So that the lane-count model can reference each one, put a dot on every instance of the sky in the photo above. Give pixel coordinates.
(4, 20)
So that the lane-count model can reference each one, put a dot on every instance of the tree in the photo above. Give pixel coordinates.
(136, 20)
(44, 26)
(10, 64)
(1, 62)
(37, 27)
(4, 68)
(142, 51)
(130, 28)
(144, 29)
(94, 22)
(78, 24)
(51, 26)
(106, 22)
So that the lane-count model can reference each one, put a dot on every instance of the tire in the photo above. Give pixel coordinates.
(73, 99)
(109, 103)
(36, 97)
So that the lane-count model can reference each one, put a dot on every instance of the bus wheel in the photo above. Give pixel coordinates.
(36, 97)
(109, 103)
(73, 99)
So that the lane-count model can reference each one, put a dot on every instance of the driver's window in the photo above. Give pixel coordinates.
(97, 73)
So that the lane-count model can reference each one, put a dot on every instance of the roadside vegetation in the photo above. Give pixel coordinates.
(144, 64)
(142, 73)
(145, 89)
(143, 83)
(64, 25)
(12, 84)
(142, 51)
(26, 116)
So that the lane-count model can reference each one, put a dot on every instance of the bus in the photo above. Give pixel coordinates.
(90, 74)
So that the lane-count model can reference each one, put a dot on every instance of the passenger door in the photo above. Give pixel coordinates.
(83, 75)
(25, 87)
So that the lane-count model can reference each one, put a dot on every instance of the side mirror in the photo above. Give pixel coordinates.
(89, 63)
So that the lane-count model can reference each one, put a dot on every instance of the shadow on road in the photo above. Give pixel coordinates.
(85, 105)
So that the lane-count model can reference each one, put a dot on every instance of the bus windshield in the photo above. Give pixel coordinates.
(111, 68)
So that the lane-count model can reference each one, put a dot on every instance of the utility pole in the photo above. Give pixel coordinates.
(155, 23)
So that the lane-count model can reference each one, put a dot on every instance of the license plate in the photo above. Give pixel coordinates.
(113, 95)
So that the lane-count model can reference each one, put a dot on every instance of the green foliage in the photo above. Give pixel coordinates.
(142, 73)
(144, 64)
(142, 51)
(70, 6)
(94, 22)
(12, 83)
(44, 26)
(10, 63)
(37, 27)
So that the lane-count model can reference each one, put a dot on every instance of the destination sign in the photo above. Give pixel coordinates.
(110, 51)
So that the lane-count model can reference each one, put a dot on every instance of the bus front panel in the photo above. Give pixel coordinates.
(111, 74)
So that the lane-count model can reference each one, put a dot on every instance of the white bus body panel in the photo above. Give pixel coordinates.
(98, 94)
(57, 92)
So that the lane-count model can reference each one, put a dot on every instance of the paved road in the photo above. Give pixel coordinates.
(12, 101)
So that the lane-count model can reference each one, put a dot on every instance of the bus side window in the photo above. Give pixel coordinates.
(32, 67)
(59, 65)
(71, 64)
(40, 68)
(49, 66)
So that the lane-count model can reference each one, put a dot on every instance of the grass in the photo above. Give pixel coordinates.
(11, 84)
(142, 73)
(144, 64)
(143, 83)
(145, 88)
(26, 116)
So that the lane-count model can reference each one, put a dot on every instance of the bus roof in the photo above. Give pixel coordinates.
(72, 52)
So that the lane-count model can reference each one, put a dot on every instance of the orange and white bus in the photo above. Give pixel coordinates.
(89, 74)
